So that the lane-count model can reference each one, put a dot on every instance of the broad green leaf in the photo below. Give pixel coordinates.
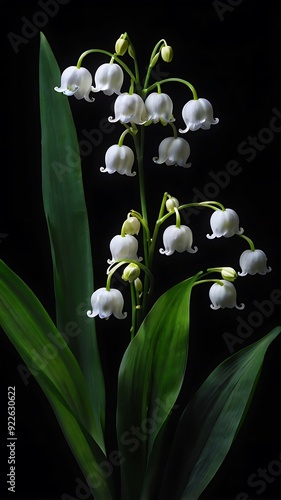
(88, 455)
(211, 421)
(33, 333)
(67, 220)
(150, 377)
(48, 357)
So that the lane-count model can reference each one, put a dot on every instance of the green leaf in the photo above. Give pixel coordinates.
(211, 421)
(51, 362)
(150, 377)
(67, 220)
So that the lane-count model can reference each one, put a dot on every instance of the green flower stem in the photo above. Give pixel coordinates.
(178, 219)
(175, 131)
(123, 135)
(153, 54)
(251, 243)
(143, 223)
(156, 229)
(139, 148)
(163, 205)
(115, 265)
(134, 310)
(111, 272)
(210, 204)
(133, 55)
(199, 282)
(162, 218)
(167, 80)
(101, 51)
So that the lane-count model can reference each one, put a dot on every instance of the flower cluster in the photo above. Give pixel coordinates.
(135, 109)
(179, 238)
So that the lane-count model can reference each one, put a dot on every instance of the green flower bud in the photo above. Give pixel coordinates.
(131, 272)
(131, 52)
(154, 60)
(138, 285)
(228, 273)
(131, 225)
(121, 46)
(171, 203)
(167, 53)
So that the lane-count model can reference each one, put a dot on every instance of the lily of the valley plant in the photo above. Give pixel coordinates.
(152, 460)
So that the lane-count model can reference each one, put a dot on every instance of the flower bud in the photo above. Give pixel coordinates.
(171, 203)
(131, 272)
(167, 53)
(138, 285)
(131, 225)
(154, 60)
(131, 52)
(121, 46)
(228, 273)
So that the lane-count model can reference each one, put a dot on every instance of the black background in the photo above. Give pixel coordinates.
(230, 51)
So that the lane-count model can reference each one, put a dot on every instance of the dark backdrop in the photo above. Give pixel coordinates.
(230, 51)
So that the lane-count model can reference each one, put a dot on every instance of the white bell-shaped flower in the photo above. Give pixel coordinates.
(106, 302)
(198, 113)
(123, 247)
(224, 223)
(109, 78)
(177, 239)
(159, 107)
(76, 81)
(173, 151)
(223, 296)
(129, 108)
(253, 262)
(119, 159)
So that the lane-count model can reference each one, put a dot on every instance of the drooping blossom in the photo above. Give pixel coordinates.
(253, 262)
(108, 78)
(159, 107)
(123, 247)
(173, 151)
(223, 296)
(119, 159)
(198, 113)
(129, 108)
(224, 223)
(177, 239)
(106, 302)
(76, 81)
